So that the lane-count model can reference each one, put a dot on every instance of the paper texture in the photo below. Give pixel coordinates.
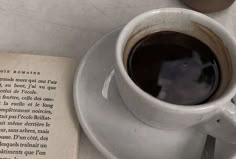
(37, 118)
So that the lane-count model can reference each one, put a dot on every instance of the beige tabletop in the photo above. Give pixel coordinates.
(70, 27)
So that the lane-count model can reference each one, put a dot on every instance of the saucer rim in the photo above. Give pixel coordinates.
(82, 122)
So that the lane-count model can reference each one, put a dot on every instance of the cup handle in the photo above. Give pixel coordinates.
(223, 125)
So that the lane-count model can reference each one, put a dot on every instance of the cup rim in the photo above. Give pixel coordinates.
(220, 101)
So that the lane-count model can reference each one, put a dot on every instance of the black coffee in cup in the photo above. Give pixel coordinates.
(174, 67)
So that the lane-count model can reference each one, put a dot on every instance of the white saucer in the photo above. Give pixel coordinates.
(110, 126)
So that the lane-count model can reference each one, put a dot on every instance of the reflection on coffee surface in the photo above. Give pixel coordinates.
(174, 67)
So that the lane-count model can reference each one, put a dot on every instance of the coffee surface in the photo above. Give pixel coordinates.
(174, 67)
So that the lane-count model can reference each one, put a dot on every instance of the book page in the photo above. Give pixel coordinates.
(37, 117)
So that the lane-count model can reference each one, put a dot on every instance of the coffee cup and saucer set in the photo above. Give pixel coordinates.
(129, 111)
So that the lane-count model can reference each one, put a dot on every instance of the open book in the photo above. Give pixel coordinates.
(37, 117)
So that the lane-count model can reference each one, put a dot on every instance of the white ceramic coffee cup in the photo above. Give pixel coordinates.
(216, 117)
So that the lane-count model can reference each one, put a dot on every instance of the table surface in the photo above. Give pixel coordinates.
(69, 28)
